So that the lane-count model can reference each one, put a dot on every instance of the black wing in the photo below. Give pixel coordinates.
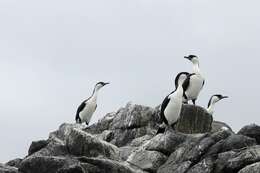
(80, 108)
(163, 107)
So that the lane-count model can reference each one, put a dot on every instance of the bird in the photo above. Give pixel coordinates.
(194, 82)
(172, 104)
(213, 100)
(87, 108)
(178, 78)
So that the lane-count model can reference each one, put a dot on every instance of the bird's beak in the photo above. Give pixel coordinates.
(224, 97)
(106, 83)
(189, 58)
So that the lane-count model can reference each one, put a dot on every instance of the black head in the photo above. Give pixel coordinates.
(221, 96)
(178, 77)
(190, 57)
(102, 83)
(215, 98)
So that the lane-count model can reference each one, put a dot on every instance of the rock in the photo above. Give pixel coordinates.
(80, 143)
(238, 160)
(205, 166)
(127, 124)
(140, 141)
(123, 137)
(14, 163)
(102, 125)
(218, 126)
(221, 161)
(107, 165)
(233, 142)
(194, 119)
(55, 147)
(166, 143)
(196, 153)
(43, 164)
(134, 116)
(72, 169)
(176, 160)
(106, 135)
(251, 168)
(149, 161)
(125, 152)
(7, 169)
(126, 142)
(176, 168)
(37, 145)
(252, 131)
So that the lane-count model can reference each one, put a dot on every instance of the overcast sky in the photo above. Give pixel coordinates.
(52, 53)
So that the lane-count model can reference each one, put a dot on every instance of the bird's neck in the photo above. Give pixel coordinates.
(179, 90)
(95, 94)
(196, 68)
(211, 108)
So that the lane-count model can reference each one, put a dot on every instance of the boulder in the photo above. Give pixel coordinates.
(166, 143)
(134, 116)
(233, 162)
(125, 152)
(205, 166)
(54, 147)
(127, 124)
(194, 119)
(233, 142)
(80, 143)
(218, 126)
(123, 137)
(37, 145)
(7, 169)
(140, 141)
(14, 163)
(148, 161)
(126, 142)
(251, 168)
(252, 131)
(107, 165)
(102, 125)
(44, 164)
(176, 168)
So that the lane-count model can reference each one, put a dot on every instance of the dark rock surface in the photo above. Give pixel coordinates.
(7, 169)
(218, 126)
(252, 131)
(37, 145)
(14, 163)
(126, 142)
(194, 119)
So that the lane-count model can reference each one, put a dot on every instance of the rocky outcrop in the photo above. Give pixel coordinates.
(252, 131)
(218, 126)
(194, 119)
(126, 142)
(8, 169)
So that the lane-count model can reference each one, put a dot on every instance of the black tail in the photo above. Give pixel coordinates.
(160, 130)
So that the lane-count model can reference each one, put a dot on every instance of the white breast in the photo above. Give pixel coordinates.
(173, 109)
(88, 111)
(196, 85)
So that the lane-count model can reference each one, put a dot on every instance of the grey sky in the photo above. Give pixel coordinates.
(53, 52)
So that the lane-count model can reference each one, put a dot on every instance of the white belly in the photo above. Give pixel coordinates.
(196, 85)
(173, 110)
(87, 112)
